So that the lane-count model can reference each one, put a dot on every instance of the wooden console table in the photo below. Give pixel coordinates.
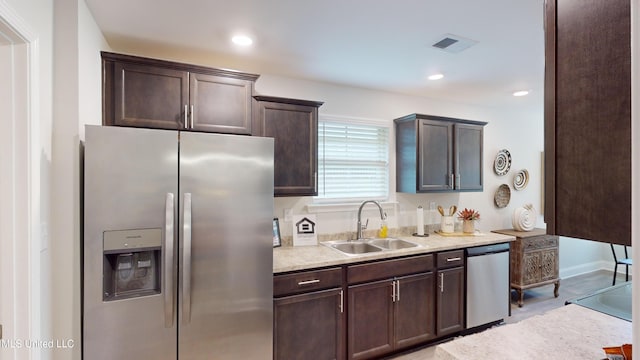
(534, 260)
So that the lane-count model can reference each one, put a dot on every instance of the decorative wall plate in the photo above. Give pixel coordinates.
(502, 196)
(521, 179)
(502, 164)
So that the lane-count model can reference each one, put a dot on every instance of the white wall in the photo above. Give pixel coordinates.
(579, 256)
(520, 132)
(36, 17)
(90, 43)
(77, 101)
(65, 180)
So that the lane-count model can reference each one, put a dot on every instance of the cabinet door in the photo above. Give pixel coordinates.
(588, 121)
(295, 130)
(220, 104)
(468, 162)
(149, 96)
(450, 310)
(370, 325)
(414, 310)
(548, 264)
(531, 263)
(309, 326)
(435, 168)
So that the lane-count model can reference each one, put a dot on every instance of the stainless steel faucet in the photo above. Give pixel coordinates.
(383, 216)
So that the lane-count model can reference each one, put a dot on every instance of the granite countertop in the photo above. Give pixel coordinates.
(289, 258)
(569, 332)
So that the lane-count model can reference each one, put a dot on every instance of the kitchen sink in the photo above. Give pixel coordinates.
(355, 247)
(365, 246)
(392, 244)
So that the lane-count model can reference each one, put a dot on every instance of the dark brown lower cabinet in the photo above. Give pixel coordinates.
(389, 315)
(309, 326)
(450, 316)
(415, 306)
(370, 323)
(390, 305)
(450, 312)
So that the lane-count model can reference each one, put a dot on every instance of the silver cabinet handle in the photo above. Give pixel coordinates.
(441, 282)
(451, 181)
(341, 301)
(186, 261)
(186, 113)
(454, 259)
(457, 181)
(393, 291)
(307, 282)
(168, 260)
(191, 116)
(397, 290)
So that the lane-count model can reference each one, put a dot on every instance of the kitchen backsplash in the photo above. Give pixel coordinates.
(351, 235)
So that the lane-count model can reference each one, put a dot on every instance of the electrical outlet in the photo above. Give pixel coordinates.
(288, 214)
(432, 206)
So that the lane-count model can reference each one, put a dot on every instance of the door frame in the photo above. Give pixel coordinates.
(21, 240)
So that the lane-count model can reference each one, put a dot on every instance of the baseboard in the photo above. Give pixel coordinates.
(587, 268)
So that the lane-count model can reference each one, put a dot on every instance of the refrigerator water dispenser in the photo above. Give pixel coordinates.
(131, 263)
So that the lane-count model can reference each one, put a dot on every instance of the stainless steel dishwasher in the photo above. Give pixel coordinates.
(487, 284)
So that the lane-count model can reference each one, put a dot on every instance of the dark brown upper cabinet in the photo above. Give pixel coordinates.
(294, 126)
(151, 93)
(438, 154)
(588, 119)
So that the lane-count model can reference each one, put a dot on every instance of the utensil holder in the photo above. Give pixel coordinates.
(447, 224)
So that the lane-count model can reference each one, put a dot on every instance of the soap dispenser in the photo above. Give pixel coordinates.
(383, 232)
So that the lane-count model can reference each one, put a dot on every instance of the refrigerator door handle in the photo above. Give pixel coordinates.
(186, 261)
(168, 260)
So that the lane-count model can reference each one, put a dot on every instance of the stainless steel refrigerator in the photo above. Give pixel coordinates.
(177, 246)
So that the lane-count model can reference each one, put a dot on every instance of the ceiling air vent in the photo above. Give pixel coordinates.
(453, 43)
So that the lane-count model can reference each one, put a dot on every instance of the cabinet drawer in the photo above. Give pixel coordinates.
(450, 259)
(539, 242)
(389, 268)
(306, 281)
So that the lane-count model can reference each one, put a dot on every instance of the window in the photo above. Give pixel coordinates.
(353, 160)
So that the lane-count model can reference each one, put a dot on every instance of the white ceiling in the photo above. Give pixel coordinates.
(378, 44)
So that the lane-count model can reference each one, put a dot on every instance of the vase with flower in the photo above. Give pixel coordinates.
(468, 217)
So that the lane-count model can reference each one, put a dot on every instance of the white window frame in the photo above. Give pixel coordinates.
(349, 202)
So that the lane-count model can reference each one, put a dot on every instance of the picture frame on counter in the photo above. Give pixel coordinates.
(276, 233)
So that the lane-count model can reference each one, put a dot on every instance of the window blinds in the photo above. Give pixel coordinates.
(353, 161)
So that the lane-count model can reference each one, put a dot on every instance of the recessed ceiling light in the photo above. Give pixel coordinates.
(435, 77)
(521, 93)
(242, 40)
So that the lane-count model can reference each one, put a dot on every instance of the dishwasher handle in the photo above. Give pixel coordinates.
(487, 249)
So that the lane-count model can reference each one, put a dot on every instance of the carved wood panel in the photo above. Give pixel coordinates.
(549, 264)
(531, 263)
